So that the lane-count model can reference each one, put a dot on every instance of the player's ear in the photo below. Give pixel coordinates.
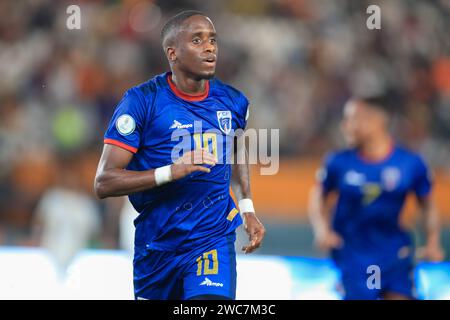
(171, 55)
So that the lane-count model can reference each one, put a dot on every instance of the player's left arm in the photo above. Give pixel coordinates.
(432, 250)
(240, 184)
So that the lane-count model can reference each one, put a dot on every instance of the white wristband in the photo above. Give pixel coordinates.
(246, 205)
(163, 175)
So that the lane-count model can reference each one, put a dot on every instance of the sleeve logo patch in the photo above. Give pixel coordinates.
(125, 124)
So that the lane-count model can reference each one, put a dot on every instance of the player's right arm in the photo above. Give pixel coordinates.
(123, 139)
(325, 237)
(113, 180)
(321, 201)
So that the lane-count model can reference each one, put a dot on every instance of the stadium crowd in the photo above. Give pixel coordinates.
(297, 60)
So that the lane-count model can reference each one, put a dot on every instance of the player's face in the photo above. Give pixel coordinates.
(196, 49)
(356, 124)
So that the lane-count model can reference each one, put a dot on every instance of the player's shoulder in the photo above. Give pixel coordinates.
(140, 99)
(340, 155)
(221, 88)
(407, 154)
(148, 88)
(143, 96)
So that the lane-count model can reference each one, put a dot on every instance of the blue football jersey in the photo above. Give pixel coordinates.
(371, 196)
(157, 122)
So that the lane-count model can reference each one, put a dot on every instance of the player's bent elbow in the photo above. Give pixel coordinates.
(100, 188)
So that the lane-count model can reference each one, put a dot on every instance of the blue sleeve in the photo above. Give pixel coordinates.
(244, 111)
(422, 182)
(328, 176)
(127, 124)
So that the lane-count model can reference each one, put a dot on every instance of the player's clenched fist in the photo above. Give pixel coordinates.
(192, 161)
(255, 231)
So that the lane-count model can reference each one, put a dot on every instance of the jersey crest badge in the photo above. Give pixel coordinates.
(224, 119)
(391, 178)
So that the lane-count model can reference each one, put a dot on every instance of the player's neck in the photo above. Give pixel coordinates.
(377, 149)
(188, 85)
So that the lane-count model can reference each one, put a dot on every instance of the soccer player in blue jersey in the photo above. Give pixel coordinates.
(185, 231)
(371, 180)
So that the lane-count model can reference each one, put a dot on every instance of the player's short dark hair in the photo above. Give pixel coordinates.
(380, 102)
(175, 23)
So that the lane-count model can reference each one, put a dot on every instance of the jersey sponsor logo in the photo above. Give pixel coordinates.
(207, 282)
(371, 192)
(125, 124)
(390, 178)
(224, 119)
(177, 125)
(354, 178)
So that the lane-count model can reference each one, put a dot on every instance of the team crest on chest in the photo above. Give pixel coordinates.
(390, 178)
(224, 119)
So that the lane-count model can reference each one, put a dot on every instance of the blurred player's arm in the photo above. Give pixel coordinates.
(432, 250)
(240, 184)
(112, 180)
(319, 210)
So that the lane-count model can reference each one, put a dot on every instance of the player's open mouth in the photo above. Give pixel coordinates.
(211, 61)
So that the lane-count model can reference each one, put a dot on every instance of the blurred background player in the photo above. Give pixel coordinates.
(185, 231)
(66, 219)
(372, 179)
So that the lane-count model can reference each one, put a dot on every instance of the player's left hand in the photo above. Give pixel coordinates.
(255, 230)
(431, 252)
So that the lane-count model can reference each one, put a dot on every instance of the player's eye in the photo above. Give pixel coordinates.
(212, 40)
(196, 40)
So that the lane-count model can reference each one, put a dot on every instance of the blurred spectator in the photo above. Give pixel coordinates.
(66, 219)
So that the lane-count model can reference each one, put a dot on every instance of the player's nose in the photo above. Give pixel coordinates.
(210, 48)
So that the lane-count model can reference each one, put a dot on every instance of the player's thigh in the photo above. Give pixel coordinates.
(355, 288)
(157, 276)
(395, 296)
(399, 281)
(212, 271)
(356, 284)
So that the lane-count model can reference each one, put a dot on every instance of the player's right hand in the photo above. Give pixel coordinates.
(192, 161)
(328, 240)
